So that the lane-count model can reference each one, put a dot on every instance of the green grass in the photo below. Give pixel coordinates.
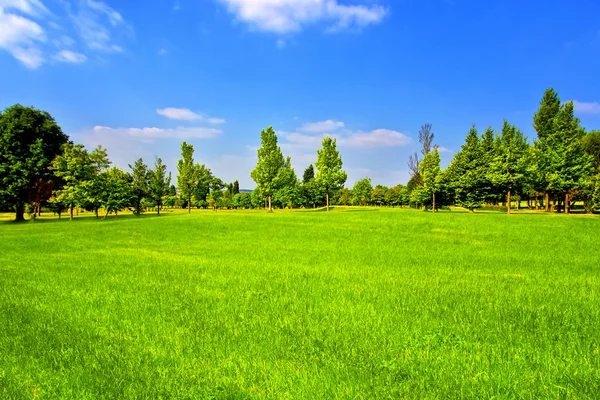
(380, 304)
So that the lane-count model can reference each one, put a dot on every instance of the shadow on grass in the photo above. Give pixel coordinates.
(81, 218)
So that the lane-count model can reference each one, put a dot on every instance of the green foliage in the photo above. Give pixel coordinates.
(205, 178)
(267, 173)
(117, 190)
(140, 189)
(362, 192)
(430, 174)
(591, 145)
(466, 174)
(309, 174)
(159, 183)
(30, 139)
(187, 177)
(330, 176)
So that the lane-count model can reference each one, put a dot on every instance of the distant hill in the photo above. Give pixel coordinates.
(245, 191)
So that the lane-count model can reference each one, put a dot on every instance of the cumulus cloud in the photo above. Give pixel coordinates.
(586, 108)
(285, 16)
(185, 114)
(376, 138)
(21, 37)
(444, 150)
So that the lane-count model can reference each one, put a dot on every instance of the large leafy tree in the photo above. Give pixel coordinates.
(289, 192)
(330, 175)
(140, 185)
(510, 163)
(267, 173)
(187, 177)
(92, 188)
(30, 139)
(159, 183)
(205, 178)
(430, 172)
(76, 170)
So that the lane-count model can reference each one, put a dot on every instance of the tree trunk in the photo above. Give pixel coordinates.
(270, 205)
(537, 204)
(20, 212)
(59, 213)
(190, 205)
(106, 215)
(567, 208)
(508, 202)
(71, 214)
(116, 214)
(327, 197)
(433, 201)
(554, 206)
(96, 212)
(547, 201)
(158, 210)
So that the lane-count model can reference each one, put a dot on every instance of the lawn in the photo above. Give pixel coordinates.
(357, 303)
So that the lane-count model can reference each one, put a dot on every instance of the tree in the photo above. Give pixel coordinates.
(591, 145)
(309, 174)
(205, 178)
(216, 192)
(426, 138)
(117, 190)
(330, 175)
(289, 192)
(430, 171)
(187, 178)
(140, 185)
(465, 172)
(378, 194)
(159, 183)
(30, 139)
(92, 188)
(269, 165)
(574, 164)
(544, 154)
(74, 166)
(509, 166)
(362, 192)
(236, 187)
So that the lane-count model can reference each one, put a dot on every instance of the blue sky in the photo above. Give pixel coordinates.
(140, 77)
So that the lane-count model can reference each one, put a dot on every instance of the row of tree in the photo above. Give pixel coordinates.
(40, 167)
(561, 166)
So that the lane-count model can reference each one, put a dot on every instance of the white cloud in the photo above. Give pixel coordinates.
(376, 138)
(323, 126)
(586, 108)
(33, 8)
(444, 150)
(21, 37)
(185, 114)
(284, 16)
(70, 57)
(90, 21)
(148, 135)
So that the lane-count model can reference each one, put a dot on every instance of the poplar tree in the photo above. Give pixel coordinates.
(159, 183)
(330, 175)
(267, 172)
(187, 178)
(430, 172)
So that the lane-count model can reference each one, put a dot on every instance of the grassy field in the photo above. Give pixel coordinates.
(358, 303)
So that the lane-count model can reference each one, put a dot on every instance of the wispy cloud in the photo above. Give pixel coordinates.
(285, 16)
(32, 34)
(322, 126)
(586, 108)
(185, 114)
(70, 57)
(444, 150)
(150, 134)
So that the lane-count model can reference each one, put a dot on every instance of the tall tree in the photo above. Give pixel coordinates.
(544, 155)
(159, 183)
(140, 185)
(465, 172)
(75, 168)
(92, 188)
(430, 171)
(29, 140)
(187, 178)
(509, 167)
(309, 174)
(205, 178)
(236, 187)
(330, 175)
(267, 172)
(574, 164)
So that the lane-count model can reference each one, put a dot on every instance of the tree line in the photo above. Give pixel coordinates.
(41, 168)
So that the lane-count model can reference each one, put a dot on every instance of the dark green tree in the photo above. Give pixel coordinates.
(362, 192)
(140, 185)
(159, 183)
(30, 139)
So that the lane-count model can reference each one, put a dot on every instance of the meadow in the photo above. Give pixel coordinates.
(357, 303)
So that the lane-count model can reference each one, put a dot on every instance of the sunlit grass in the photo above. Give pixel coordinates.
(358, 303)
